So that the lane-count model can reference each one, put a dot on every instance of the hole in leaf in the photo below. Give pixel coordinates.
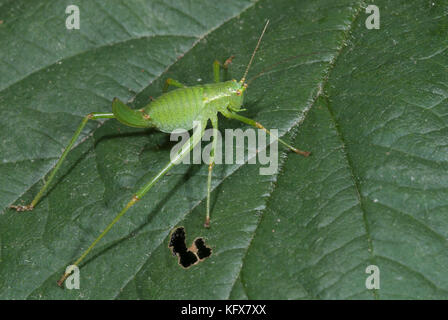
(202, 250)
(188, 256)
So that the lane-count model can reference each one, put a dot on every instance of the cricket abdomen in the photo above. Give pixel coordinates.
(177, 109)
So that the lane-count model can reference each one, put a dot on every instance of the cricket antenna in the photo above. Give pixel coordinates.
(243, 79)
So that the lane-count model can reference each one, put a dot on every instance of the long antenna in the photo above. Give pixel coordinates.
(243, 79)
(272, 66)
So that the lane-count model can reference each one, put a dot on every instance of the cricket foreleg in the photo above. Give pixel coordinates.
(210, 168)
(259, 126)
(216, 68)
(90, 116)
(186, 148)
(171, 82)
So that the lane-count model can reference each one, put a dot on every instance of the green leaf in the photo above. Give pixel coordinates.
(369, 104)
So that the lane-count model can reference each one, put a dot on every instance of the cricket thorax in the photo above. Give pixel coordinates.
(223, 95)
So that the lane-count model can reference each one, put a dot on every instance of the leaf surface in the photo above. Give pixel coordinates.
(369, 104)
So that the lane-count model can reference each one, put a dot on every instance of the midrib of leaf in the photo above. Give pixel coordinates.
(357, 189)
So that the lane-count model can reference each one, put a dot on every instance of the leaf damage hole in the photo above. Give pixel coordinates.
(187, 257)
(202, 250)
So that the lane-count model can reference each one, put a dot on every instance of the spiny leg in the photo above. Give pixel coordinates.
(210, 168)
(216, 68)
(186, 148)
(171, 82)
(259, 126)
(90, 116)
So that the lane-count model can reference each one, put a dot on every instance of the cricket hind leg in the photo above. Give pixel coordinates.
(258, 125)
(217, 68)
(210, 169)
(90, 116)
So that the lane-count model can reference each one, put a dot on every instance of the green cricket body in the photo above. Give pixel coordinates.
(178, 109)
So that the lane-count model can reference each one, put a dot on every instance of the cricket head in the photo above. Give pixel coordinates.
(236, 96)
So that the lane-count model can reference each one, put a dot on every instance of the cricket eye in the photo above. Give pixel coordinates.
(238, 92)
